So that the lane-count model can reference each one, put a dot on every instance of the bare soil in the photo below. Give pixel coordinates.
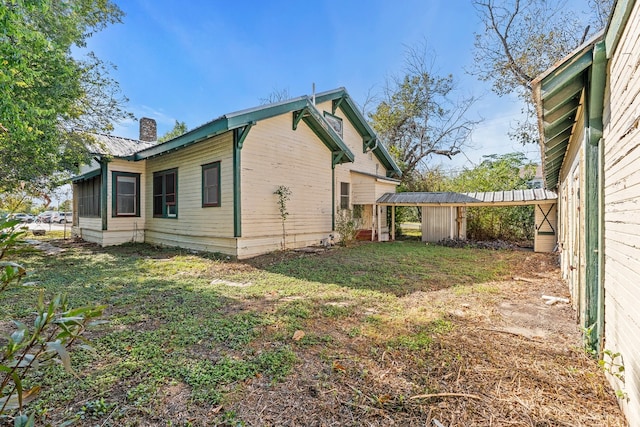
(509, 360)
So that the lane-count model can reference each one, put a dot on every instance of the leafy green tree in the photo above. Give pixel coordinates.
(50, 101)
(523, 38)
(418, 116)
(180, 128)
(496, 173)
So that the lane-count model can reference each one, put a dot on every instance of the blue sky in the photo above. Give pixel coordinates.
(196, 60)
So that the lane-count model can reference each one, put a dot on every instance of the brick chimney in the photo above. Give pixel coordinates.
(148, 130)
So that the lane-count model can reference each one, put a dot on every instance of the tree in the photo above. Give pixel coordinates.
(523, 38)
(510, 171)
(284, 194)
(276, 95)
(417, 117)
(179, 128)
(51, 102)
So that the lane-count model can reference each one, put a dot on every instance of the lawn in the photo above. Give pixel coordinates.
(377, 334)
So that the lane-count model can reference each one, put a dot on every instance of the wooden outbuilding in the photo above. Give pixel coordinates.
(444, 213)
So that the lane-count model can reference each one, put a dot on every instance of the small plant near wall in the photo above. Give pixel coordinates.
(347, 226)
(284, 194)
(614, 366)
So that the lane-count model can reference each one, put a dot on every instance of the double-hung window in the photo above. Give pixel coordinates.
(126, 194)
(344, 195)
(165, 194)
(211, 184)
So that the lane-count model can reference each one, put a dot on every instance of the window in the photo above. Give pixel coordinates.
(88, 192)
(335, 122)
(211, 184)
(165, 192)
(126, 194)
(344, 195)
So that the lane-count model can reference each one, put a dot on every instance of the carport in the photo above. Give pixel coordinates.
(444, 213)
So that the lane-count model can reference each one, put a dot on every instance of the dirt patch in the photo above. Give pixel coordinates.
(508, 359)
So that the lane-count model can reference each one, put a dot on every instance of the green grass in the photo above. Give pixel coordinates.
(172, 321)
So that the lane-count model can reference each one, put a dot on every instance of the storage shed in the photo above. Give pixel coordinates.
(444, 213)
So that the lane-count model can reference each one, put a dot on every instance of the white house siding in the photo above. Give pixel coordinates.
(273, 155)
(196, 227)
(571, 204)
(621, 182)
(119, 230)
(124, 229)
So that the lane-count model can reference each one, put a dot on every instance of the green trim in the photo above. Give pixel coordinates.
(237, 201)
(297, 116)
(207, 167)
(564, 75)
(545, 233)
(163, 174)
(87, 175)
(206, 131)
(114, 195)
(333, 196)
(326, 133)
(243, 132)
(594, 103)
(340, 98)
(336, 103)
(617, 23)
(558, 93)
(224, 124)
(103, 193)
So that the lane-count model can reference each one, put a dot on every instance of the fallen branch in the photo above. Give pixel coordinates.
(427, 396)
(523, 279)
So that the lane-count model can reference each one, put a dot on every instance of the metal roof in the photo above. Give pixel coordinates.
(117, 146)
(511, 197)
(559, 94)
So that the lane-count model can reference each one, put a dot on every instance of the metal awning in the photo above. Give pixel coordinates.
(492, 198)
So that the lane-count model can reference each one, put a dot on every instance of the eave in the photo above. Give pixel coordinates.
(240, 119)
(340, 99)
(559, 94)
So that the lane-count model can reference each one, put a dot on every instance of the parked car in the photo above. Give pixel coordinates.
(62, 217)
(45, 216)
(23, 217)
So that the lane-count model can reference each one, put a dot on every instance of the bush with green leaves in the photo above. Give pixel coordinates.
(47, 340)
(347, 226)
(509, 171)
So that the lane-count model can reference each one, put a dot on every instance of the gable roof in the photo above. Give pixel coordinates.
(301, 107)
(341, 99)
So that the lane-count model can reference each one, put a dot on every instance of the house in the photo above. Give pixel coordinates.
(589, 116)
(212, 189)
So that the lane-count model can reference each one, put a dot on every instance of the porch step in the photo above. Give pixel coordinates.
(363, 235)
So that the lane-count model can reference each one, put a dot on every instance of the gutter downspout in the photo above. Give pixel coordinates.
(594, 311)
